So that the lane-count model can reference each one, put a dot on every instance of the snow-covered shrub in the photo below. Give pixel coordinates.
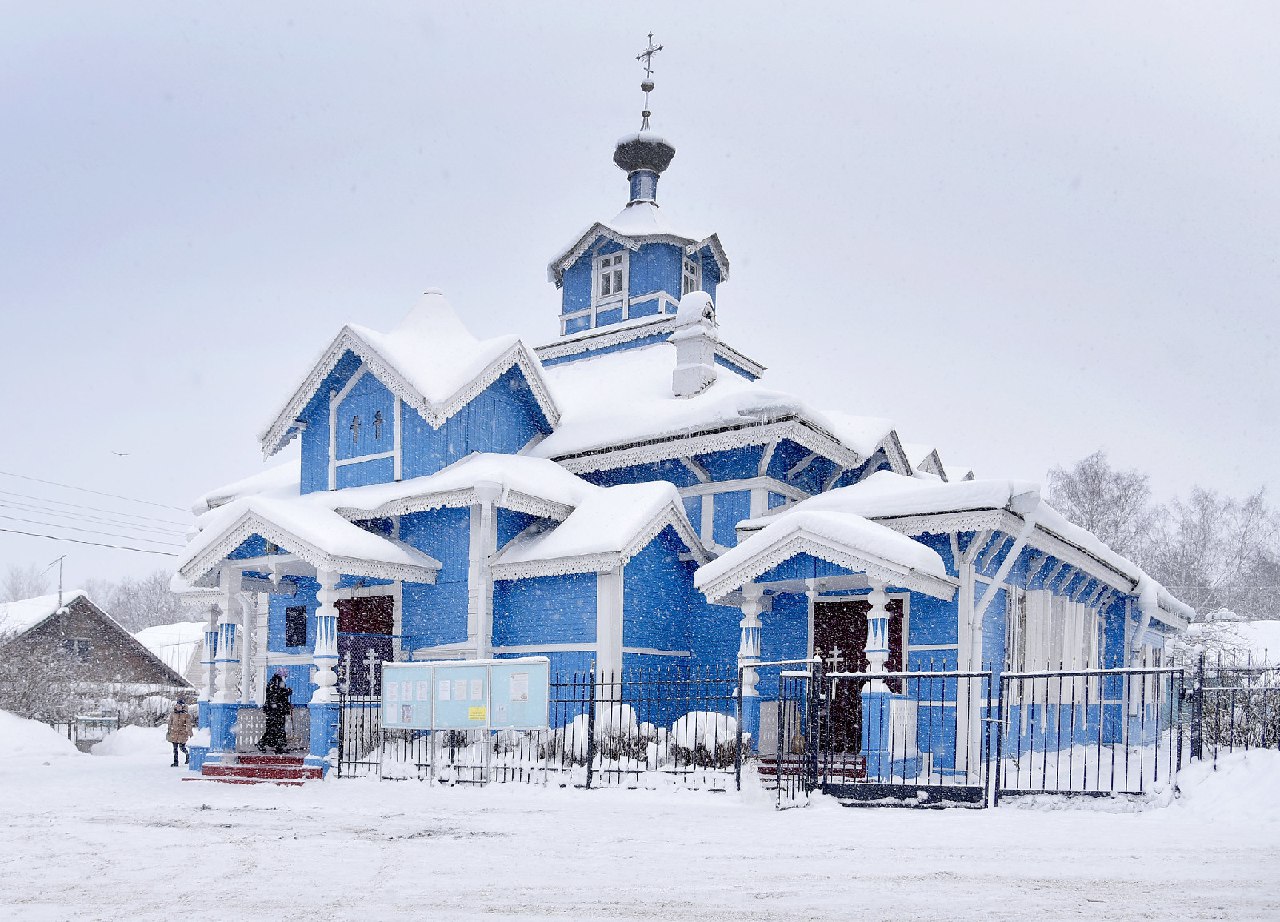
(706, 739)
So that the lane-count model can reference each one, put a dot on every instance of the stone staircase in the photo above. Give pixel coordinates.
(259, 769)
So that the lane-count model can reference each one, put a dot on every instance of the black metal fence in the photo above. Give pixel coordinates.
(918, 738)
(1089, 731)
(1234, 707)
(638, 728)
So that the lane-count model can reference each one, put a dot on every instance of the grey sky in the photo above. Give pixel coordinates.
(1023, 234)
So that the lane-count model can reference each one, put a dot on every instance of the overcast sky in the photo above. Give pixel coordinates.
(1022, 233)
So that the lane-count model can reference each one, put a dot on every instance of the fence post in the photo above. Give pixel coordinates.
(998, 749)
(1197, 712)
(737, 752)
(591, 727)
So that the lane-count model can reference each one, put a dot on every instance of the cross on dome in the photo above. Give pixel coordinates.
(647, 84)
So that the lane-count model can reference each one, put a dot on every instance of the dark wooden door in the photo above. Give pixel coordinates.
(840, 638)
(365, 626)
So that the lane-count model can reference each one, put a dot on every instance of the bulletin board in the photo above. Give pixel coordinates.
(508, 694)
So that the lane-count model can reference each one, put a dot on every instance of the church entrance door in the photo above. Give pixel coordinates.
(840, 639)
(365, 628)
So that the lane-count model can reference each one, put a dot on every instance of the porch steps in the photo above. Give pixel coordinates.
(845, 770)
(260, 769)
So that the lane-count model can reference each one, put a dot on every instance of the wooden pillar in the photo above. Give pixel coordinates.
(325, 654)
(877, 645)
(227, 654)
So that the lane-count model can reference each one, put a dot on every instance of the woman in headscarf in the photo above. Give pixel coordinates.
(275, 709)
(180, 729)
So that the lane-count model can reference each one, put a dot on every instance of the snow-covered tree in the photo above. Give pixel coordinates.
(1114, 505)
(139, 603)
(23, 582)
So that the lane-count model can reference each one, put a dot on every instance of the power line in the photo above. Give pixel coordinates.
(90, 531)
(118, 547)
(116, 512)
(100, 520)
(54, 483)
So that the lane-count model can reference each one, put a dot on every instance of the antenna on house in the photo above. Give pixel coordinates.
(48, 568)
(647, 83)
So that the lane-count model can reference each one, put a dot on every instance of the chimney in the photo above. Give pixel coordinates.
(695, 338)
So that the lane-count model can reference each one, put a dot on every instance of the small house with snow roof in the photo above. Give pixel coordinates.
(632, 495)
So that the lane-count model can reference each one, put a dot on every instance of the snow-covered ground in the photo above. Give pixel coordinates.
(116, 835)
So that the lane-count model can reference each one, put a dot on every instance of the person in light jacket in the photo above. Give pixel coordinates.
(180, 729)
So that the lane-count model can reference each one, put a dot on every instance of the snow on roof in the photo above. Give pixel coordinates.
(844, 538)
(611, 522)
(173, 643)
(276, 479)
(864, 434)
(888, 495)
(535, 477)
(303, 526)
(429, 360)
(918, 456)
(640, 219)
(590, 392)
(21, 616)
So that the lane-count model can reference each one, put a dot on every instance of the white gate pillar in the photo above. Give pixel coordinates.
(325, 655)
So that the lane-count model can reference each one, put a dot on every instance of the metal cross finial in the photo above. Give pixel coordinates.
(647, 85)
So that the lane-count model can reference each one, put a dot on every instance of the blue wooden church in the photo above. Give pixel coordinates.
(630, 494)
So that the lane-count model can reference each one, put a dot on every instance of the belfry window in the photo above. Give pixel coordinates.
(692, 275)
(610, 277)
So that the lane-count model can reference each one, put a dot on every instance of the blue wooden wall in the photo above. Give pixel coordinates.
(437, 614)
(545, 610)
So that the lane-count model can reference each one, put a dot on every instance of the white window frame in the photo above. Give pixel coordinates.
(617, 265)
(691, 275)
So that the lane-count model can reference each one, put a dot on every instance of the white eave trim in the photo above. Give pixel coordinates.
(852, 559)
(282, 430)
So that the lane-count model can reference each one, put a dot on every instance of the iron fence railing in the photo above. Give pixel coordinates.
(1234, 707)
(638, 728)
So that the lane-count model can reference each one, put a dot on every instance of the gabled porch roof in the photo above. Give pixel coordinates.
(310, 533)
(848, 541)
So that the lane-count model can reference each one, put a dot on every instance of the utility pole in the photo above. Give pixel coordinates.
(48, 568)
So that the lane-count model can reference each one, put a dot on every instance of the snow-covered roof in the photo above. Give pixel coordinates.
(173, 643)
(430, 361)
(885, 495)
(608, 526)
(636, 224)
(590, 392)
(20, 617)
(305, 527)
(277, 478)
(849, 541)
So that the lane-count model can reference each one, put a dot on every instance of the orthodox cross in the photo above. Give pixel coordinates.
(355, 428)
(647, 85)
(834, 659)
(372, 662)
(377, 424)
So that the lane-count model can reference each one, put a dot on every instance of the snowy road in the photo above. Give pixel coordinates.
(103, 837)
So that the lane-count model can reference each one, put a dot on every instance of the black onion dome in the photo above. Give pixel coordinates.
(643, 152)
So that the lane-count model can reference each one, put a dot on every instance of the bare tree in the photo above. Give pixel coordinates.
(139, 603)
(23, 582)
(1114, 505)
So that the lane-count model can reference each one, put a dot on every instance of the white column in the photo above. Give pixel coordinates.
(483, 544)
(754, 604)
(877, 646)
(609, 623)
(210, 653)
(248, 608)
(325, 655)
(228, 653)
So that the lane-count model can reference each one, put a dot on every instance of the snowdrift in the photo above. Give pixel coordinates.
(31, 739)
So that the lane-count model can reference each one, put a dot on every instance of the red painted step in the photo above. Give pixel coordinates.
(254, 768)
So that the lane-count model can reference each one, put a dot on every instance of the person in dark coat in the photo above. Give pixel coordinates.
(275, 709)
(180, 728)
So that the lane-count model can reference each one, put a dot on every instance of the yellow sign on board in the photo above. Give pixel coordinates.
(479, 713)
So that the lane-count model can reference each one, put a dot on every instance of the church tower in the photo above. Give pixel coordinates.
(636, 266)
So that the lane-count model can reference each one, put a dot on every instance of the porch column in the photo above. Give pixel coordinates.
(324, 702)
(325, 654)
(227, 657)
(753, 605)
(877, 646)
(223, 703)
(877, 706)
(207, 657)
(248, 607)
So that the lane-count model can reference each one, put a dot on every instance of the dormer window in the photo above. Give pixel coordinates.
(610, 278)
(692, 275)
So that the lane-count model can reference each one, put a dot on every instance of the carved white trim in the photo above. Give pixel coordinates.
(556, 268)
(252, 523)
(676, 445)
(513, 500)
(597, 338)
(804, 542)
(284, 427)
(672, 515)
